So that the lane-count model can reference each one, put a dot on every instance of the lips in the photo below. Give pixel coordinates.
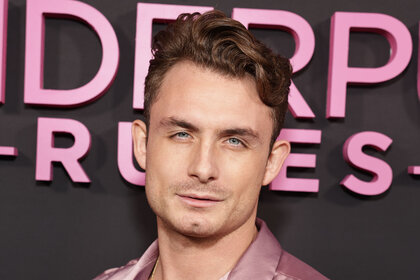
(199, 200)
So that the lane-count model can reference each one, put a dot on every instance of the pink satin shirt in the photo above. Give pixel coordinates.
(263, 260)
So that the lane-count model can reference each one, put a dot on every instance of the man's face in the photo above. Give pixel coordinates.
(207, 153)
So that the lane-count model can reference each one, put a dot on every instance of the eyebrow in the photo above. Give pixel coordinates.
(172, 122)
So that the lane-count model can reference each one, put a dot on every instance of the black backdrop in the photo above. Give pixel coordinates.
(63, 230)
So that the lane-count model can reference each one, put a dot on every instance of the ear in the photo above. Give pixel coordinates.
(139, 133)
(278, 154)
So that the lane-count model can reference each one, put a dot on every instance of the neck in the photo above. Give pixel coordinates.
(183, 257)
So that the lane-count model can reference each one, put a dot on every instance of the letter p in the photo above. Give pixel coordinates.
(340, 74)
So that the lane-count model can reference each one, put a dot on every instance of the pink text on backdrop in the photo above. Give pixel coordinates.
(415, 170)
(34, 93)
(8, 151)
(284, 183)
(305, 45)
(3, 48)
(418, 67)
(46, 153)
(342, 23)
(146, 15)
(353, 154)
(125, 156)
(339, 73)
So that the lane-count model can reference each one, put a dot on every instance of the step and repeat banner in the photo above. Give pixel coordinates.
(72, 199)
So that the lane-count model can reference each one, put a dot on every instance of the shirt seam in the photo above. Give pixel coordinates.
(290, 276)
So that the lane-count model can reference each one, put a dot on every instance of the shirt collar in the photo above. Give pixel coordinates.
(259, 261)
(261, 258)
(144, 267)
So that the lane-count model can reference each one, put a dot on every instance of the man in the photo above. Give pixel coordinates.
(215, 100)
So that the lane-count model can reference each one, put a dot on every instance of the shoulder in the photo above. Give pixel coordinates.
(266, 259)
(291, 268)
(135, 269)
(117, 273)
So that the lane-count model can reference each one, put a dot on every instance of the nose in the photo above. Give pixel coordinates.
(203, 166)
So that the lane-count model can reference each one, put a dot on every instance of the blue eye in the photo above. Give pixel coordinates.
(234, 141)
(182, 135)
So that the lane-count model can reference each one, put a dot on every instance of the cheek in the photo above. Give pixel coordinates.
(244, 173)
(164, 163)
(250, 164)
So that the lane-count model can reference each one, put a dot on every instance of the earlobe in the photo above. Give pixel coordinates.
(278, 155)
(139, 133)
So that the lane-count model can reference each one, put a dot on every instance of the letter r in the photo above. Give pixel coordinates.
(46, 152)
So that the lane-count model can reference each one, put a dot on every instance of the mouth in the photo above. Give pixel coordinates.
(198, 201)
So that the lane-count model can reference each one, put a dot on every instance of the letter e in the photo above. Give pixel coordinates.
(284, 183)
(146, 15)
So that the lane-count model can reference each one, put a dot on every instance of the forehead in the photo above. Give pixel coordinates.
(207, 98)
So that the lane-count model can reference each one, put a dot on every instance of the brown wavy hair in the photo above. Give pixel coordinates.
(224, 45)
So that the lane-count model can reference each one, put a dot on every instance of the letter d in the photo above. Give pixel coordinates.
(34, 93)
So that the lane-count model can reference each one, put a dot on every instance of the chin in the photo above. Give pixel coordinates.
(195, 227)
